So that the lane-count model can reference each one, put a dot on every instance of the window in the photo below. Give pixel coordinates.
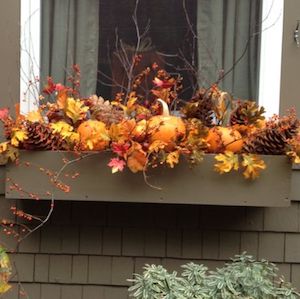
(199, 39)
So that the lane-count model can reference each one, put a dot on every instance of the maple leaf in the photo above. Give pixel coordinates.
(60, 127)
(35, 116)
(137, 158)
(75, 109)
(116, 165)
(120, 148)
(66, 131)
(226, 162)
(18, 136)
(4, 113)
(172, 158)
(253, 165)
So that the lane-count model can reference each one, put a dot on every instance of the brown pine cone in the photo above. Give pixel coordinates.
(41, 137)
(246, 113)
(272, 140)
(200, 107)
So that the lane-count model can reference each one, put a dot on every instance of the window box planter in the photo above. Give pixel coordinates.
(181, 185)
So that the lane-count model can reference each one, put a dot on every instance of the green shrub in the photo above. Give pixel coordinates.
(242, 278)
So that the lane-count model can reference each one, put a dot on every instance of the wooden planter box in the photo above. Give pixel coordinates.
(181, 185)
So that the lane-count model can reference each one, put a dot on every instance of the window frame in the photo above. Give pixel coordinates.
(270, 55)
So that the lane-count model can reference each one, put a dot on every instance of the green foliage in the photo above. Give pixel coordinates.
(242, 278)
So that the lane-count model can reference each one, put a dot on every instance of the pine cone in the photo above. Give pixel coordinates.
(246, 113)
(200, 107)
(41, 137)
(272, 140)
(102, 110)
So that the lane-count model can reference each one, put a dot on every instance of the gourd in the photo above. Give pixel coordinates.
(93, 135)
(166, 128)
(220, 139)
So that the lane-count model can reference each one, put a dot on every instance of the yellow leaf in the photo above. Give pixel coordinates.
(12, 153)
(253, 165)
(75, 109)
(4, 287)
(226, 162)
(3, 147)
(35, 116)
(7, 152)
(18, 136)
(132, 100)
(172, 158)
(156, 146)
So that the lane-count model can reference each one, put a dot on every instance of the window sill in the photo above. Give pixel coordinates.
(181, 185)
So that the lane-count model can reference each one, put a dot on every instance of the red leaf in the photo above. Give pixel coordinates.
(116, 165)
(120, 148)
(49, 88)
(162, 83)
(4, 113)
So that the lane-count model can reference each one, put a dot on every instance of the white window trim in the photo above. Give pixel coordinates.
(29, 54)
(270, 55)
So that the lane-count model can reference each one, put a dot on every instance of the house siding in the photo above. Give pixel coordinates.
(75, 253)
(89, 249)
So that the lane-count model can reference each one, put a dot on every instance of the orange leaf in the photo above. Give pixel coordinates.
(137, 158)
(62, 98)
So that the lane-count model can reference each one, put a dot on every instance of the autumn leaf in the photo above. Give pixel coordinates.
(35, 116)
(253, 165)
(3, 147)
(62, 97)
(137, 158)
(172, 158)
(116, 165)
(226, 162)
(49, 88)
(122, 131)
(4, 112)
(156, 146)
(61, 126)
(75, 109)
(120, 148)
(131, 101)
(66, 131)
(163, 83)
(294, 157)
(18, 136)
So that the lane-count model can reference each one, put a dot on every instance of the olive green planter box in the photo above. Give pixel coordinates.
(2, 179)
(181, 185)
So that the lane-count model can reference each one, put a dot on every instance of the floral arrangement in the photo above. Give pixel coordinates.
(141, 132)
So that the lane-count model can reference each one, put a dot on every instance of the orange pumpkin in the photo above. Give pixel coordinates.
(166, 127)
(93, 135)
(222, 139)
